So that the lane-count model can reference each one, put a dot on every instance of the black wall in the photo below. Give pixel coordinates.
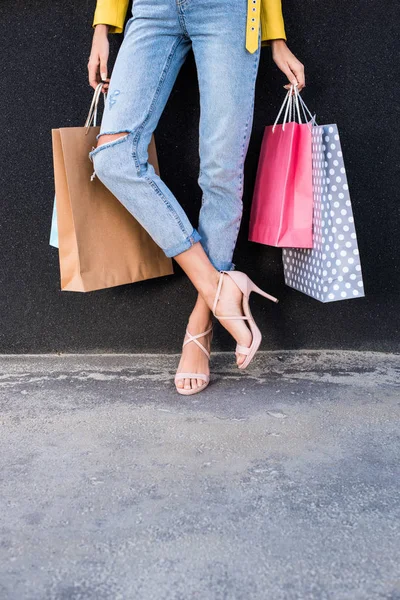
(351, 55)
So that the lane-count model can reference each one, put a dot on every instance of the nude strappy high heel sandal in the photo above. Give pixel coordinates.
(203, 376)
(246, 286)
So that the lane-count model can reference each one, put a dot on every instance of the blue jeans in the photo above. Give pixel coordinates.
(156, 41)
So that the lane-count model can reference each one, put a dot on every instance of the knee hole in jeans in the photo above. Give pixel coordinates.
(106, 138)
(104, 141)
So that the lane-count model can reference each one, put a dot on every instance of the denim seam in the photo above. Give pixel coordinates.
(245, 136)
(248, 121)
(167, 203)
(139, 131)
(136, 138)
(181, 4)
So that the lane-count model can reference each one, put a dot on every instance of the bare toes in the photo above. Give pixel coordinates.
(200, 382)
(240, 358)
(187, 384)
(180, 383)
(194, 384)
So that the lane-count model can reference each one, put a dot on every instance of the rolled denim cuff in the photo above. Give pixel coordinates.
(185, 245)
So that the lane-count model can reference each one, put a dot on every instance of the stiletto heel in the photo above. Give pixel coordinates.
(246, 286)
(258, 290)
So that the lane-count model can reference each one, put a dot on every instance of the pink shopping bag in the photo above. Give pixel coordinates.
(282, 206)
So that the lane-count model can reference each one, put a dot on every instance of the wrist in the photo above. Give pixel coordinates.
(102, 28)
(278, 43)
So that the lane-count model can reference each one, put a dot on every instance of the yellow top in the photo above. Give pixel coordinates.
(113, 13)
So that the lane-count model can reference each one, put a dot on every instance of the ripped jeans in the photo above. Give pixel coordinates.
(156, 41)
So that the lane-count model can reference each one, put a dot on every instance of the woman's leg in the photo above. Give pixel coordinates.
(149, 59)
(204, 277)
(151, 55)
(193, 359)
(227, 75)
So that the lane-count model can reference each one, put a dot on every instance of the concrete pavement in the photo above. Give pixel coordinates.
(281, 482)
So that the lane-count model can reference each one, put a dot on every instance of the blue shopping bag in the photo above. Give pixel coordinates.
(54, 229)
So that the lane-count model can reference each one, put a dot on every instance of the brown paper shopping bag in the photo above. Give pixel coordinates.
(101, 245)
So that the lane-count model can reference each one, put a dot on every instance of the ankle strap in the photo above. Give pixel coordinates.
(217, 294)
(194, 338)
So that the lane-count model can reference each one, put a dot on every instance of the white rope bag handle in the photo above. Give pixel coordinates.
(92, 115)
(305, 108)
(293, 101)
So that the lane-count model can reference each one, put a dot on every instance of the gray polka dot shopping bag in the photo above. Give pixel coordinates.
(331, 269)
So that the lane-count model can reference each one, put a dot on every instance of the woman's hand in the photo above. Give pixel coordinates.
(97, 65)
(286, 61)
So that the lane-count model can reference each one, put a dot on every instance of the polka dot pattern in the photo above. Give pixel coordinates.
(331, 270)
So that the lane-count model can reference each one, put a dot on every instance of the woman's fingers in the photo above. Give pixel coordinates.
(285, 68)
(97, 69)
(287, 62)
(104, 89)
(290, 75)
(103, 72)
(97, 65)
(293, 81)
(93, 70)
(295, 73)
(298, 69)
